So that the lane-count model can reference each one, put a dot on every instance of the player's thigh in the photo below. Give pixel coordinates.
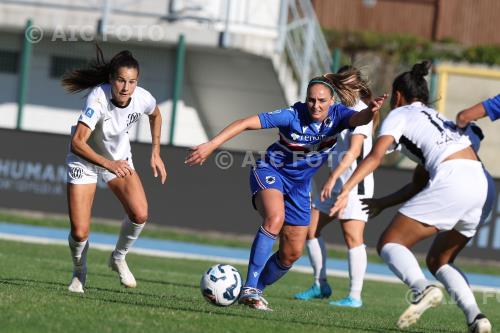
(353, 231)
(80, 199)
(292, 240)
(445, 248)
(271, 206)
(405, 231)
(130, 192)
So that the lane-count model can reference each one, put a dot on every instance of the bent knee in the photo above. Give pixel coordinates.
(139, 217)
(80, 235)
(434, 263)
(273, 223)
(289, 258)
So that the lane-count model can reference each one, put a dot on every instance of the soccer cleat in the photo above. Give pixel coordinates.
(252, 297)
(348, 302)
(481, 324)
(78, 280)
(120, 266)
(432, 296)
(316, 291)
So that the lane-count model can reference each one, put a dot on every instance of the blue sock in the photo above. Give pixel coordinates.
(272, 272)
(261, 248)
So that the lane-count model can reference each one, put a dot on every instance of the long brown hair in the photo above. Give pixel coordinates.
(356, 81)
(98, 71)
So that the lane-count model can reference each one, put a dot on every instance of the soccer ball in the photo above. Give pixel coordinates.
(221, 285)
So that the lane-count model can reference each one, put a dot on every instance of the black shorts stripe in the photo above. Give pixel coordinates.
(361, 185)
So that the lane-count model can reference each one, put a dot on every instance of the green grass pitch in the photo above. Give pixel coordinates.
(33, 298)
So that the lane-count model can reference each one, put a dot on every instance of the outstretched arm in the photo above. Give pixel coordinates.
(156, 162)
(375, 206)
(367, 166)
(473, 113)
(363, 117)
(199, 154)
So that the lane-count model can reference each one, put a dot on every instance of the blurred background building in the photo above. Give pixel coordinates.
(209, 62)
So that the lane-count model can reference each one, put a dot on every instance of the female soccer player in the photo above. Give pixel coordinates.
(352, 146)
(281, 182)
(100, 146)
(455, 202)
(489, 107)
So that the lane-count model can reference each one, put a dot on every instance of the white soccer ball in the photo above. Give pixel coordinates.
(221, 285)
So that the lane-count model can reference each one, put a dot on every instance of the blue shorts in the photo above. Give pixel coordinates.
(297, 196)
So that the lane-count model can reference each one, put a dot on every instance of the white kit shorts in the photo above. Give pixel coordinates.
(352, 211)
(459, 196)
(80, 171)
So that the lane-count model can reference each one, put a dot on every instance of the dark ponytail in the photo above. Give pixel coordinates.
(412, 84)
(98, 71)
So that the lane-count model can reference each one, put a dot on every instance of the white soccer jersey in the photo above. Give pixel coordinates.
(423, 134)
(365, 187)
(110, 124)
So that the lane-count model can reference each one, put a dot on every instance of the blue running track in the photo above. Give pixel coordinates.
(165, 248)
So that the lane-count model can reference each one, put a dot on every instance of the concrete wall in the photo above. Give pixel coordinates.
(207, 198)
(220, 86)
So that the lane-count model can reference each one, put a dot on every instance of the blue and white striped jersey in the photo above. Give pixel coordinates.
(303, 145)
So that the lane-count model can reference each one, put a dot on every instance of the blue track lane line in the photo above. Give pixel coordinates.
(193, 250)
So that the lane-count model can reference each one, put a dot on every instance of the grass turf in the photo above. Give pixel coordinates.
(33, 298)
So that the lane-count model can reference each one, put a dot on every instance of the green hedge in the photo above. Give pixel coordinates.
(409, 48)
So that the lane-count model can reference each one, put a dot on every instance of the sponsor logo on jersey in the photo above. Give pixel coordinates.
(274, 112)
(89, 112)
(302, 137)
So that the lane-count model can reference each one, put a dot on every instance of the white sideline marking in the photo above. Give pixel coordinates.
(180, 255)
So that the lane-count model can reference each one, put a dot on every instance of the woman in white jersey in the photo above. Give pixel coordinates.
(453, 204)
(100, 146)
(352, 146)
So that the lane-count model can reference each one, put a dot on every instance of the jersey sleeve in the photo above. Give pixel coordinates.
(150, 103)
(492, 107)
(93, 109)
(344, 115)
(393, 125)
(277, 118)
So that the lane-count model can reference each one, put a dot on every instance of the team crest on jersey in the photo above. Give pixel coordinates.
(328, 122)
(89, 112)
(132, 118)
(76, 172)
(270, 180)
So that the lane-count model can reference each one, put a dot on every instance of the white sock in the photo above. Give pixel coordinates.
(317, 256)
(78, 250)
(404, 264)
(458, 288)
(357, 269)
(129, 232)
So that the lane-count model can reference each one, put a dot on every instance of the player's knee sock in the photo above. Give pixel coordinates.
(317, 256)
(78, 250)
(357, 269)
(129, 232)
(404, 264)
(272, 272)
(458, 288)
(259, 253)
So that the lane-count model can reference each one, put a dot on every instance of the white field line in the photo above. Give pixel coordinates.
(228, 260)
